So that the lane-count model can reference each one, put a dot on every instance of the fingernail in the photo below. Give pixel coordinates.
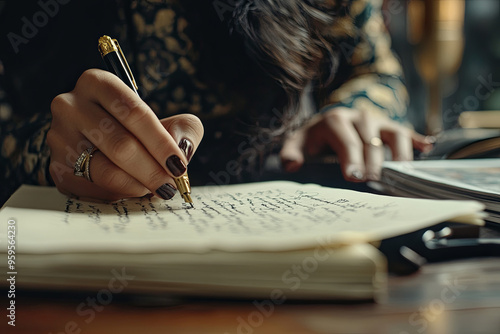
(430, 139)
(176, 165)
(166, 191)
(355, 173)
(187, 147)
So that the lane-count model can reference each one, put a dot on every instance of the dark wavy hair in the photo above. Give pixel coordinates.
(286, 38)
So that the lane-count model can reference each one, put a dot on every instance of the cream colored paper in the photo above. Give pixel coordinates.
(270, 216)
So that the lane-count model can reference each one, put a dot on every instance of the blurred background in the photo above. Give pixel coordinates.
(450, 51)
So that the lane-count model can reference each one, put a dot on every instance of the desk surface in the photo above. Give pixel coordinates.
(453, 297)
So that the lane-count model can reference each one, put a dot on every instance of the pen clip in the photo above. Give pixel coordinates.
(124, 60)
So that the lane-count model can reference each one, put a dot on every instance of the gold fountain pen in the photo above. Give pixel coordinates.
(116, 63)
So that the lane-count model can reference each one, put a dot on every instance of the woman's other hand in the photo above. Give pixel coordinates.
(358, 139)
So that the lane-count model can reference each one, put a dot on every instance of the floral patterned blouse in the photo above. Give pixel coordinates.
(185, 60)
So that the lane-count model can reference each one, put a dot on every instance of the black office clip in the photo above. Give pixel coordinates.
(443, 242)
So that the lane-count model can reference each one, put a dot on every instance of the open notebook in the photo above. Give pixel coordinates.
(251, 240)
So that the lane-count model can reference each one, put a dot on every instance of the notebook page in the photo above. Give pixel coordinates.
(260, 216)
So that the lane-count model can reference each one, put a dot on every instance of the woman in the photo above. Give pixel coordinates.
(293, 77)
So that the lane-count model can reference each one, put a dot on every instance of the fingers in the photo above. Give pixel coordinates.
(110, 182)
(402, 140)
(358, 138)
(112, 95)
(127, 152)
(291, 154)
(373, 149)
(136, 152)
(423, 143)
(399, 140)
(186, 130)
(341, 135)
(113, 179)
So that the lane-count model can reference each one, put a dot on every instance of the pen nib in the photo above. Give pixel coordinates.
(192, 206)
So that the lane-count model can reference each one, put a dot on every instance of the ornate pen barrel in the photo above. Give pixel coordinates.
(115, 61)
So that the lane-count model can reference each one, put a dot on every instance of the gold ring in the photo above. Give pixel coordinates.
(82, 164)
(376, 142)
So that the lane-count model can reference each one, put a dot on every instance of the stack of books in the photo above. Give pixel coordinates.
(462, 179)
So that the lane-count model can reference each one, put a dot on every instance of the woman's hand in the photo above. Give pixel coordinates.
(357, 137)
(136, 152)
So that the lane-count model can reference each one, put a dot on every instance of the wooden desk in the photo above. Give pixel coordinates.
(447, 298)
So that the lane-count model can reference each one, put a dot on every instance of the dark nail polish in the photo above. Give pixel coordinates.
(166, 191)
(176, 165)
(187, 147)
